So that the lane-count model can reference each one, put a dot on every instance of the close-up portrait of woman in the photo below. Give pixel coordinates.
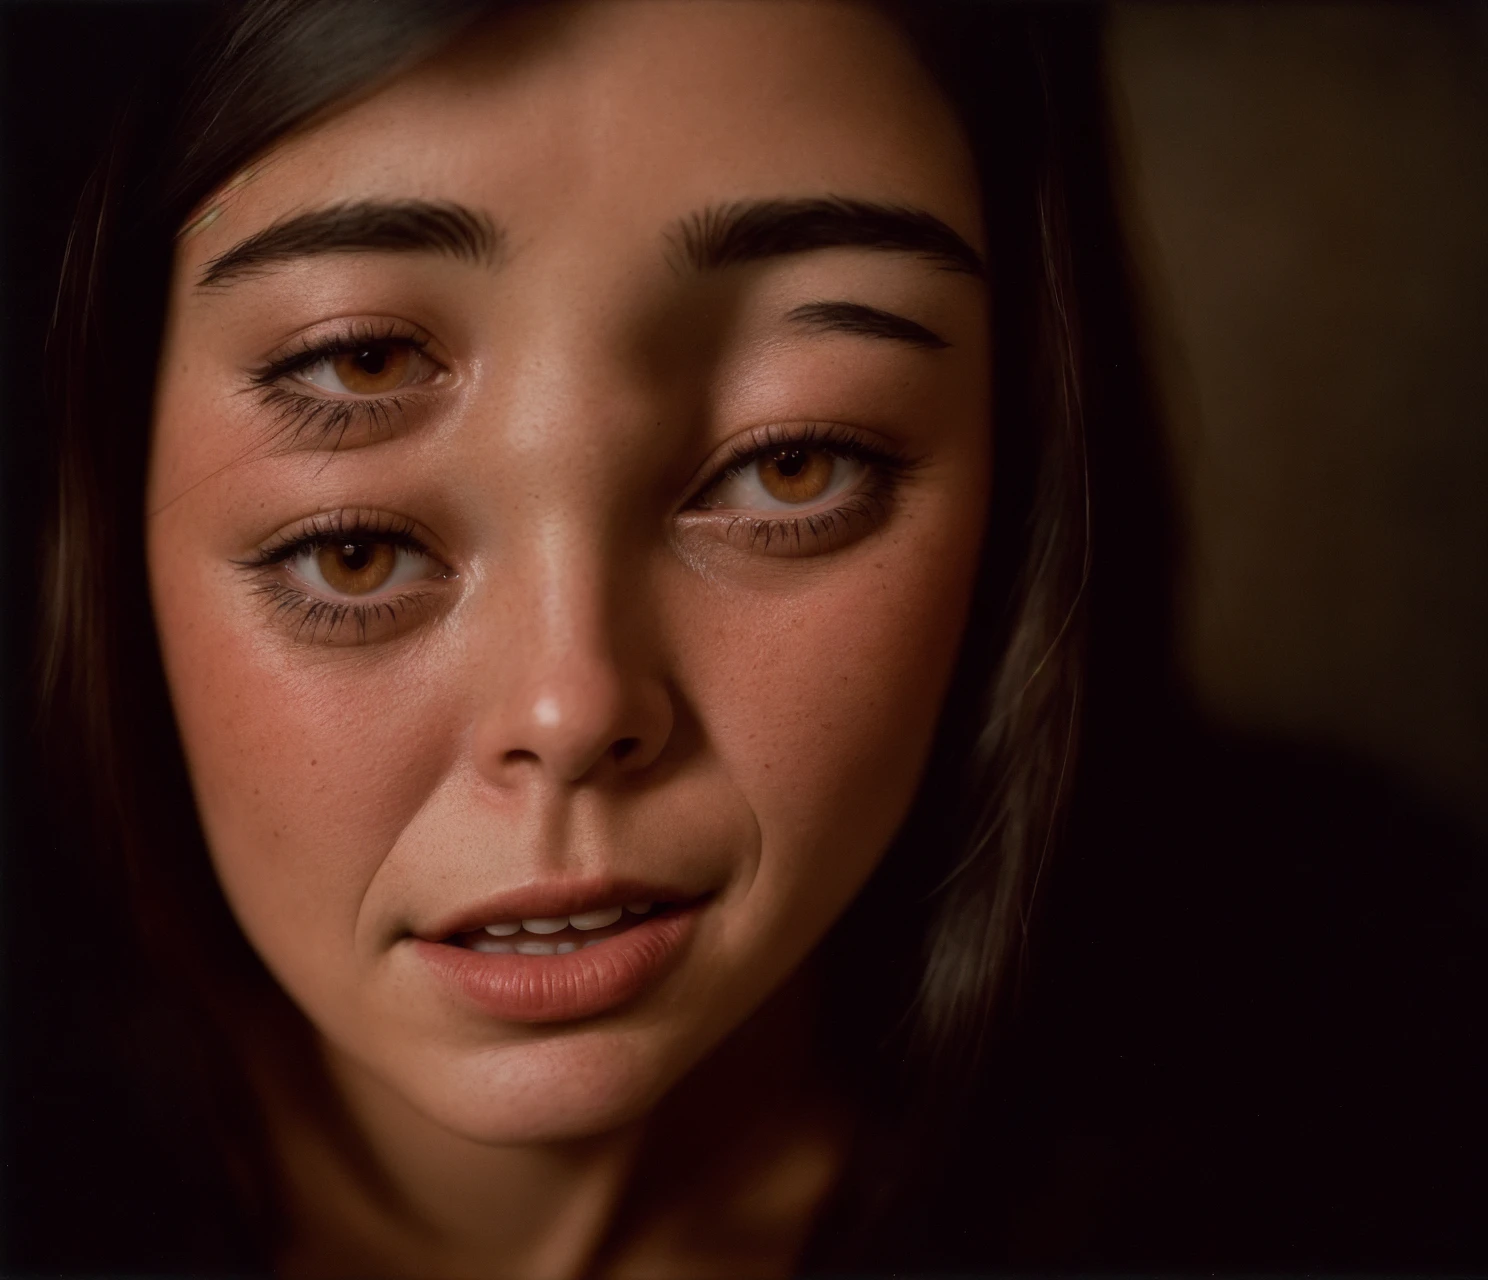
(598, 683)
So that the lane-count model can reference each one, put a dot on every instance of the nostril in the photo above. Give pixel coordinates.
(624, 747)
(520, 756)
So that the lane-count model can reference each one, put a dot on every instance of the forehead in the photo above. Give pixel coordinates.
(630, 113)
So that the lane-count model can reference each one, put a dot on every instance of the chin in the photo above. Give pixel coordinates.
(558, 1085)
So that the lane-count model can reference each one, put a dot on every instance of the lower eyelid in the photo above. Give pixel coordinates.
(319, 619)
(302, 420)
(307, 415)
(812, 532)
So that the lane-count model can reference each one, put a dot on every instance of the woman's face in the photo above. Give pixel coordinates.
(569, 469)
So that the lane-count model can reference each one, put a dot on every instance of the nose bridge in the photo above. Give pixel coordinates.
(570, 689)
(570, 441)
(576, 627)
(566, 420)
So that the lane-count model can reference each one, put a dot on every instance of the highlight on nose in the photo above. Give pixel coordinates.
(575, 733)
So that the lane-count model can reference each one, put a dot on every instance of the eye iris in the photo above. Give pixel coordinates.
(356, 568)
(372, 369)
(796, 475)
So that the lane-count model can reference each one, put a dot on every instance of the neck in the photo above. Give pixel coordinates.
(724, 1178)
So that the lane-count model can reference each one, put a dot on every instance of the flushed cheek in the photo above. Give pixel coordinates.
(305, 768)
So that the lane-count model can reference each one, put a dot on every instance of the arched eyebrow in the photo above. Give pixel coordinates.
(747, 231)
(375, 226)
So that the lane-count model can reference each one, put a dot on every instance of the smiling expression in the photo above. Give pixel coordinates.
(569, 468)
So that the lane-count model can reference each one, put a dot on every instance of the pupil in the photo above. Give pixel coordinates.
(790, 463)
(355, 555)
(372, 360)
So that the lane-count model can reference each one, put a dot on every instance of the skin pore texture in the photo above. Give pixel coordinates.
(572, 558)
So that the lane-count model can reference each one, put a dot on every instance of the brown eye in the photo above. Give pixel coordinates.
(796, 475)
(356, 568)
(374, 369)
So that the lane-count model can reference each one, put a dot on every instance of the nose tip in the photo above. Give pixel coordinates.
(582, 729)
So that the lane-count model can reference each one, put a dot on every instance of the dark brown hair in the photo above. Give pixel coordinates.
(965, 869)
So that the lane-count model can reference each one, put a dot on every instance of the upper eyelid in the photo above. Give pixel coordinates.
(350, 525)
(830, 437)
(283, 552)
(315, 349)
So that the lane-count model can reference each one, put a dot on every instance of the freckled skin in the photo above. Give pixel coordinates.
(782, 707)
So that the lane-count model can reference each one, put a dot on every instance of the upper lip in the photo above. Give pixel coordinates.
(559, 898)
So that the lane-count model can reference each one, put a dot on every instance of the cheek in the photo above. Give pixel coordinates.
(304, 771)
(822, 703)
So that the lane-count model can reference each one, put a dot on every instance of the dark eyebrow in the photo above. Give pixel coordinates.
(378, 226)
(747, 231)
(865, 321)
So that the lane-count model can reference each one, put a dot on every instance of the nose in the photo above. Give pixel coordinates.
(575, 696)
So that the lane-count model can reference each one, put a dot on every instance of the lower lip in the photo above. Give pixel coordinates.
(579, 984)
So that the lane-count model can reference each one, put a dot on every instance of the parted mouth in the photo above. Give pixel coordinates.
(558, 912)
(588, 953)
(557, 934)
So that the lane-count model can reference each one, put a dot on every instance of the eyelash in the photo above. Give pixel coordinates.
(318, 421)
(869, 507)
(301, 413)
(324, 619)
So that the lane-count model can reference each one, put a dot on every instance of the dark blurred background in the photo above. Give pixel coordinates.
(1309, 201)
(1252, 1036)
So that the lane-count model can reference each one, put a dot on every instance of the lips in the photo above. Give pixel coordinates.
(562, 953)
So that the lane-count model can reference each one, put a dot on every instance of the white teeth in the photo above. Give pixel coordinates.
(595, 919)
(594, 942)
(600, 918)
